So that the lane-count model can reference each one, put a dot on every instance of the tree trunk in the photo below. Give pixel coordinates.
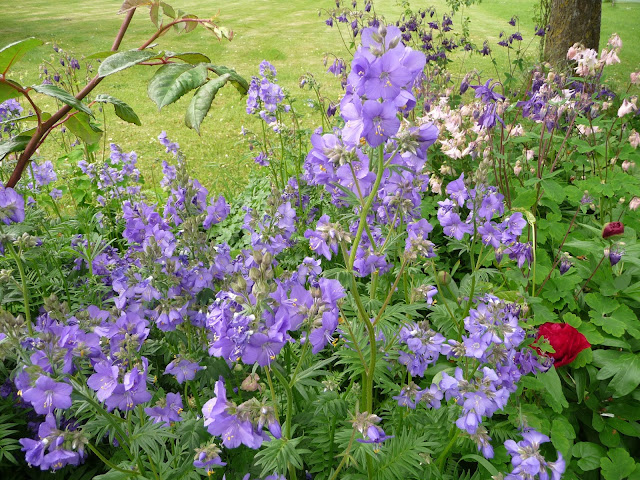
(572, 21)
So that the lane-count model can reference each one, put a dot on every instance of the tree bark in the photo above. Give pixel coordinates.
(572, 21)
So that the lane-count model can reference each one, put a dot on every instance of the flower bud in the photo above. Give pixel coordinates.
(612, 229)
(444, 278)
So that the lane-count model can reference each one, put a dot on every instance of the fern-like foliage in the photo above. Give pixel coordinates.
(404, 456)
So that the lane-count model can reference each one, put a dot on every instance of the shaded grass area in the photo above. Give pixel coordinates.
(288, 33)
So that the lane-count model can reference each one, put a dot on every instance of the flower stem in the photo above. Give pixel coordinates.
(25, 288)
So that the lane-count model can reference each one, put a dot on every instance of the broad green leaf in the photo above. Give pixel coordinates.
(562, 435)
(236, 80)
(63, 96)
(193, 58)
(624, 367)
(625, 315)
(201, 102)
(81, 127)
(553, 190)
(584, 358)
(589, 454)
(16, 144)
(124, 111)
(609, 324)
(13, 52)
(123, 60)
(525, 199)
(601, 304)
(618, 465)
(555, 396)
(174, 80)
(7, 92)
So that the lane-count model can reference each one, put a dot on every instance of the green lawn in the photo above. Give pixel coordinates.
(288, 33)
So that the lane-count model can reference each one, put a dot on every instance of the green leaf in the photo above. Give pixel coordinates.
(81, 127)
(193, 58)
(16, 144)
(201, 102)
(555, 396)
(13, 52)
(100, 55)
(624, 367)
(525, 199)
(562, 435)
(63, 96)
(124, 111)
(619, 465)
(174, 80)
(236, 80)
(589, 454)
(600, 304)
(123, 60)
(553, 190)
(7, 92)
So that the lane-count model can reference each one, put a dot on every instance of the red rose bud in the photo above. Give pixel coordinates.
(612, 228)
(565, 340)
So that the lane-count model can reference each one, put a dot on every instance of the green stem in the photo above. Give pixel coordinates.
(344, 456)
(447, 449)
(108, 463)
(367, 206)
(273, 392)
(289, 394)
(25, 289)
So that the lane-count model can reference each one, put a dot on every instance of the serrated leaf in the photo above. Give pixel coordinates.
(124, 111)
(168, 10)
(236, 80)
(16, 144)
(618, 465)
(12, 53)
(174, 80)
(63, 96)
(201, 102)
(131, 4)
(154, 15)
(601, 304)
(81, 127)
(122, 60)
(624, 367)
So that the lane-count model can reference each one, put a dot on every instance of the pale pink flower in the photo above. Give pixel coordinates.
(615, 41)
(634, 139)
(634, 203)
(635, 78)
(627, 107)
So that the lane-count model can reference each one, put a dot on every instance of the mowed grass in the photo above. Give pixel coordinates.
(288, 33)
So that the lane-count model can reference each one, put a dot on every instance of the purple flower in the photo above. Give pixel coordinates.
(104, 381)
(485, 92)
(47, 395)
(167, 411)
(182, 369)
(380, 122)
(216, 212)
(11, 206)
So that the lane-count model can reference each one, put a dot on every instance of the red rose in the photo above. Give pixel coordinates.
(612, 228)
(565, 340)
